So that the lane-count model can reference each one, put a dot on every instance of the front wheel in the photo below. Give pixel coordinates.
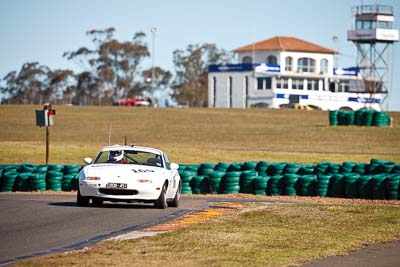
(175, 202)
(161, 202)
(81, 201)
(97, 202)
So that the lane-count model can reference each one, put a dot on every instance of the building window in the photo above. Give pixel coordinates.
(264, 83)
(272, 60)
(282, 83)
(247, 60)
(297, 84)
(343, 86)
(260, 83)
(230, 91)
(215, 91)
(324, 65)
(288, 63)
(306, 64)
(268, 83)
(313, 84)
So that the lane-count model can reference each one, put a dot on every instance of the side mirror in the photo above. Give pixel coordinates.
(173, 166)
(87, 160)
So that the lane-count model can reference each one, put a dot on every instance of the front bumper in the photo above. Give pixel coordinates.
(145, 192)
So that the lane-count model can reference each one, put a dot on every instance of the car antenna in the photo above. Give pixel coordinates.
(125, 141)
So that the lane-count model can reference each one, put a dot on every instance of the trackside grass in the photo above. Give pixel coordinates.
(194, 135)
(265, 235)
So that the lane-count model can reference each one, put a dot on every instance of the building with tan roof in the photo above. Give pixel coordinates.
(286, 71)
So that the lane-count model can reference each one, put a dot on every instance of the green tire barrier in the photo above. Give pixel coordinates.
(222, 166)
(333, 118)
(69, 182)
(322, 185)
(249, 165)
(38, 181)
(336, 188)
(365, 186)
(8, 181)
(234, 167)
(275, 185)
(200, 184)
(54, 180)
(378, 179)
(231, 182)
(262, 167)
(215, 181)
(187, 175)
(261, 185)
(42, 168)
(378, 186)
(55, 167)
(291, 184)
(276, 169)
(362, 117)
(27, 167)
(393, 186)
(246, 181)
(23, 182)
(351, 185)
(307, 185)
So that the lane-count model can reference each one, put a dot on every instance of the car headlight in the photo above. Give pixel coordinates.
(144, 181)
(92, 178)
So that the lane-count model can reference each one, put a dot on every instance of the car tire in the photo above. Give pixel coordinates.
(97, 202)
(175, 201)
(81, 201)
(161, 202)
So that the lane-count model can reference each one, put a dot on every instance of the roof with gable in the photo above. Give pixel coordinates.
(284, 43)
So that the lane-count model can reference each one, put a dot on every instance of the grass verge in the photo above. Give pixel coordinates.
(268, 235)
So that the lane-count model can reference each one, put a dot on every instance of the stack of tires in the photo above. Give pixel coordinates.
(333, 118)
(322, 185)
(54, 177)
(231, 182)
(291, 184)
(307, 185)
(362, 117)
(261, 184)
(186, 178)
(215, 181)
(381, 119)
(200, 184)
(9, 178)
(246, 181)
(70, 177)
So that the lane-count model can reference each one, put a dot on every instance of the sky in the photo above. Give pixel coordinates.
(42, 30)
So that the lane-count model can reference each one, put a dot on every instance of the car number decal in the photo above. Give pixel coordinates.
(141, 170)
(117, 186)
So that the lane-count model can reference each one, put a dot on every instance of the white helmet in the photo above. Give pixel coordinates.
(116, 155)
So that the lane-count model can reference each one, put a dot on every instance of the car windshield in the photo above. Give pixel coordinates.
(129, 157)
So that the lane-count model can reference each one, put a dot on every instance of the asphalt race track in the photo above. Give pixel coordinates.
(40, 223)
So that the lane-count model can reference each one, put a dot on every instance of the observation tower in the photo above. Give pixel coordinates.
(373, 34)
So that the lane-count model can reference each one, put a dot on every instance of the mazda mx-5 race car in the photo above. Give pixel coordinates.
(129, 174)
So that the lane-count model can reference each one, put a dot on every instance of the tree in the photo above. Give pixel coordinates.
(58, 82)
(115, 65)
(27, 86)
(161, 81)
(190, 84)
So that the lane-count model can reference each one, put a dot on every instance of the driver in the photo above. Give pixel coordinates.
(116, 156)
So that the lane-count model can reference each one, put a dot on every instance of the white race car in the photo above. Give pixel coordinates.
(129, 174)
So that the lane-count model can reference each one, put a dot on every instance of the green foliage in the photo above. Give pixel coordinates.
(190, 84)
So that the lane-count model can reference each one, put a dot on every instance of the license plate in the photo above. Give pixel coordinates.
(117, 186)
